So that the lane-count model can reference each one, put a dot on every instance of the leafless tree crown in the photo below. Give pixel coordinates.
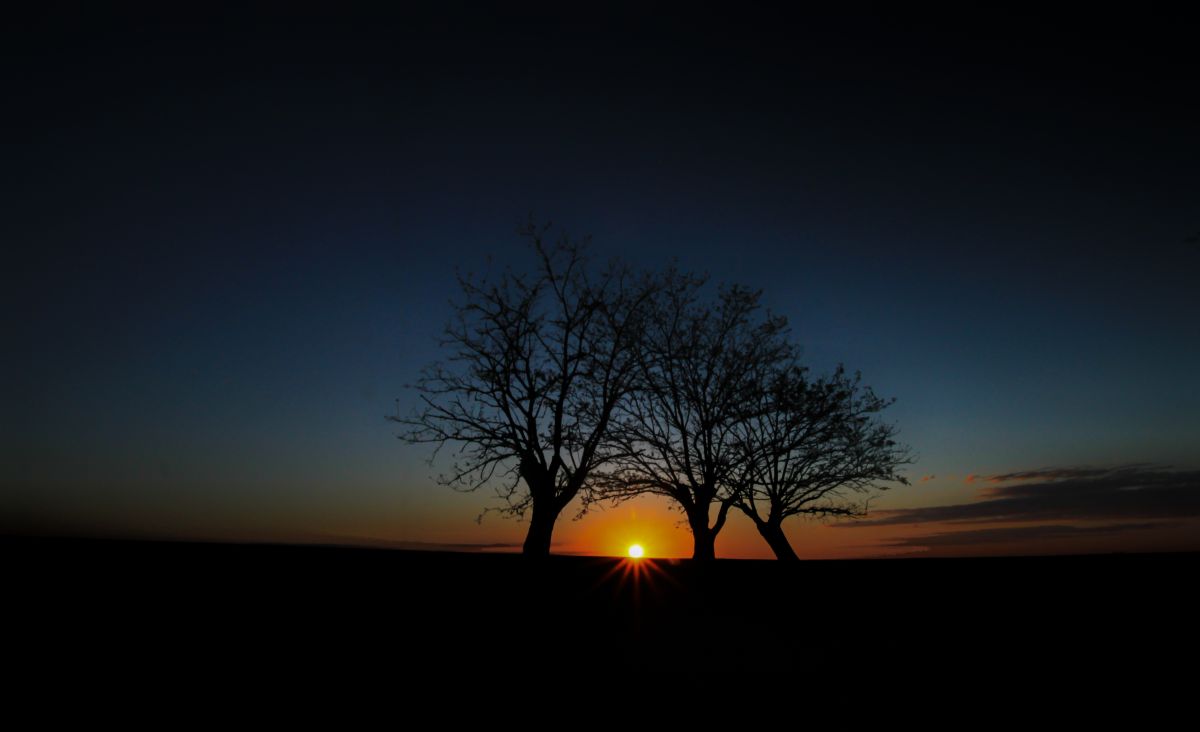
(537, 362)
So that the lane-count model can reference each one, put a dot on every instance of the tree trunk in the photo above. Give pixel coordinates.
(772, 531)
(704, 546)
(541, 528)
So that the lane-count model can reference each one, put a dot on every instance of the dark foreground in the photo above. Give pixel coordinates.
(156, 619)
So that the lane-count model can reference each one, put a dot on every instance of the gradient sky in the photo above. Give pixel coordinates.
(231, 239)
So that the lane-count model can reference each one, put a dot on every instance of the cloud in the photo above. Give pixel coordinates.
(1015, 535)
(449, 547)
(1061, 473)
(1132, 492)
(425, 546)
(927, 478)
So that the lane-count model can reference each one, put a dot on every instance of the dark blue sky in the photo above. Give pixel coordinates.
(231, 238)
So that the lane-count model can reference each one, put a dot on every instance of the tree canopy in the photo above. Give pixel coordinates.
(676, 433)
(810, 447)
(575, 380)
(536, 364)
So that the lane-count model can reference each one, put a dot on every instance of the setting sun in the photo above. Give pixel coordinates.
(636, 551)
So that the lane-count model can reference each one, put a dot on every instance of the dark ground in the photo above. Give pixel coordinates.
(177, 618)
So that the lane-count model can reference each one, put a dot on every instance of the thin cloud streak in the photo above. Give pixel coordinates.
(1015, 535)
(1063, 473)
(423, 546)
(1116, 494)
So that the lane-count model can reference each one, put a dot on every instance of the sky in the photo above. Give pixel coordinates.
(232, 239)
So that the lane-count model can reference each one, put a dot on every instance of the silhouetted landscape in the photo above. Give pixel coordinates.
(1022, 630)
(348, 345)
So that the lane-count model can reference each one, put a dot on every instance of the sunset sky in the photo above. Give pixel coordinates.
(231, 239)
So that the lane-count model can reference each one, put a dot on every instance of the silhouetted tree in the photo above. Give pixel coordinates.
(537, 363)
(809, 445)
(676, 434)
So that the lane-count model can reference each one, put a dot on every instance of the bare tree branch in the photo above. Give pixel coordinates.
(537, 364)
(811, 447)
(675, 435)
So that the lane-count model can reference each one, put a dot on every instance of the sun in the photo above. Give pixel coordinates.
(636, 551)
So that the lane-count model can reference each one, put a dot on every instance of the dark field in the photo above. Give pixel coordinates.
(103, 616)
